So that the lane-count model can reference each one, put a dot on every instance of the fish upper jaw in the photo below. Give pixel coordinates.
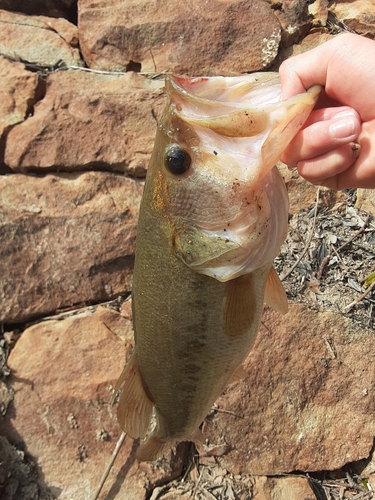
(243, 118)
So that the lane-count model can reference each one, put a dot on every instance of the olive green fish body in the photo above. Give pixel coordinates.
(192, 340)
(213, 216)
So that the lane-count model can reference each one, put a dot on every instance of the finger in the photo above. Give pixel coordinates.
(325, 170)
(323, 136)
(301, 72)
(329, 113)
(346, 54)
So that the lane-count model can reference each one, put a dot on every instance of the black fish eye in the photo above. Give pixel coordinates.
(176, 159)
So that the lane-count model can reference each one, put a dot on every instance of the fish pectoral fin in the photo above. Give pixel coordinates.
(152, 449)
(239, 308)
(275, 295)
(239, 374)
(135, 407)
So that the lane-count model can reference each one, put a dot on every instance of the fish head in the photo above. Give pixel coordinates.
(214, 181)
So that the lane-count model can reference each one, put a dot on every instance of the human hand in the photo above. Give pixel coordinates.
(325, 150)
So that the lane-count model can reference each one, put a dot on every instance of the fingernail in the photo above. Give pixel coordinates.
(341, 129)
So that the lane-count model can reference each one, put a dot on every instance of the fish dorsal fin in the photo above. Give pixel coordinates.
(275, 295)
(135, 407)
(152, 449)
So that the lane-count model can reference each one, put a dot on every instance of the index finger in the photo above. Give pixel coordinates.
(301, 72)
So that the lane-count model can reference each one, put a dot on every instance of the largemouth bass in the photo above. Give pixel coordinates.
(213, 216)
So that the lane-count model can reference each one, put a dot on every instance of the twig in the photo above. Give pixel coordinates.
(355, 235)
(339, 258)
(370, 319)
(196, 485)
(110, 464)
(89, 70)
(358, 299)
(190, 465)
(282, 278)
(229, 413)
(331, 347)
(322, 266)
(153, 60)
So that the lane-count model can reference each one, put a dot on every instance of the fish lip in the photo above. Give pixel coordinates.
(228, 105)
(227, 117)
(177, 92)
(176, 88)
(176, 85)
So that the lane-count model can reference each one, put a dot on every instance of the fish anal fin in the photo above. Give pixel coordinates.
(134, 407)
(152, 449)
(197, 437)
(239, 374)
(199, 440)
(240, 306)
(275, 295)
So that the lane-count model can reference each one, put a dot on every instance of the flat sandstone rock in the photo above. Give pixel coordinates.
(89, 121)
(63, 375)
(308, 400)
(67, 239)
(39, 40)
(193, 37)
(17, 94)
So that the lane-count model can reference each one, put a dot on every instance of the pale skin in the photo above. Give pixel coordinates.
(325, 151)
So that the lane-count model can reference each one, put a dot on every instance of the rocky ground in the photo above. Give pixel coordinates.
(81, 92)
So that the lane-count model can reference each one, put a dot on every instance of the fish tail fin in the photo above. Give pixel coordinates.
(275, 295)
(152, 449)
(135, 407)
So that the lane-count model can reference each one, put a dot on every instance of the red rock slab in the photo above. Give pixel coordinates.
(194, 37)
(63, 375)
(308, 400)
(89, 121)
(302, 194)
(38, 40)
(358, 16)
(294, 19)
(282, 488)
(66, 240)
(17, 93)
(366, 200)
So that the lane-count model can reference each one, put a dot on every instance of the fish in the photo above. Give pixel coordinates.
(213, 216)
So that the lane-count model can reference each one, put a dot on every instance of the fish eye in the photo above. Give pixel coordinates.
(176, 159)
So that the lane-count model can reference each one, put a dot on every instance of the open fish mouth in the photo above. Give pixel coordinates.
(234, 129)
(243, 107)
